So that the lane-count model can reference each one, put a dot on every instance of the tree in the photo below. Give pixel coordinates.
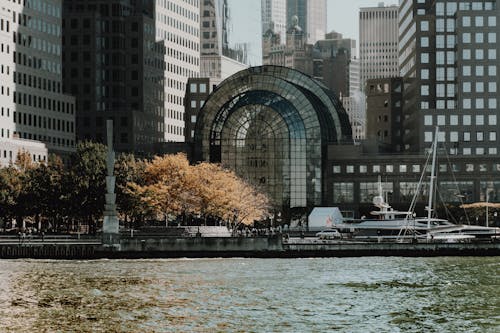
(169, 186)
(9, 193)
(87, 182)
(172, 186)
(130, 170)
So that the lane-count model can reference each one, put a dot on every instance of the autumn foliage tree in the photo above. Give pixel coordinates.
(173, 186)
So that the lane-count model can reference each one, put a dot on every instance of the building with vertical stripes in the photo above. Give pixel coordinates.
(378, 42)
(35, 115)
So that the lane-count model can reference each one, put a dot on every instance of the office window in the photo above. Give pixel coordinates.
(466, 54)
(479, 37)
(492, 151)
(466, 37)
(428, 120)
(492, 54)
(466, 21)
(424, 41)
(453, 136)
(428, 136)
(492, 21)
(492, 37)
(466, 87)
(424, 25)
(424, 74)
(492, 119)
(492, 70)
(479, 119)
(479, 136)
(479, 70)
(479, 54)
(492, 103)
(466, 120)
(466, 70)
(454, 120)
(424, 58)
(441, 120)
(479, 103)
(492, 136)
(480, 87)
(466, 103)
(479, 21)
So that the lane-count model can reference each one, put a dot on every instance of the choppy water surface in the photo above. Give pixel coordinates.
(251, 295)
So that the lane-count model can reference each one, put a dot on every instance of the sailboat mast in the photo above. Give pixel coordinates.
(433, 176)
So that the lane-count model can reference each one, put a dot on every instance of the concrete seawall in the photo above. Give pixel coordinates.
(258, 247)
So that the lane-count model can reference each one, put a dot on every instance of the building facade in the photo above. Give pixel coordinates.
(384, 101)
(311, 15)
(217, 60)
(115, 68)
(378, 43)
(178, 27)
(36, 115)
(448, 56)
(197, 92)
(272, 125)
(273, 13)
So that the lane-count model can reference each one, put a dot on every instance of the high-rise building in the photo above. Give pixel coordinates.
(332, 60)
(178, 27)
(217, 60)
(449, 63)
(35, 115)
(384, 114)
(311, 15)
(274, 17)
(115, 68)
(378, 42)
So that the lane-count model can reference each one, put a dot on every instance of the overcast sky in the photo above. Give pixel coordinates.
(342, 17)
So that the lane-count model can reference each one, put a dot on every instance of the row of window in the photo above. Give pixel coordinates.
(414, 168)
(36, 82)
(453, 120)
(466, 136)
(42, 102)
(36, 63)
(28, 119)
(47, 139)
(9, 153)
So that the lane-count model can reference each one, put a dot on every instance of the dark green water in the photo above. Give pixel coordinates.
(369, 294)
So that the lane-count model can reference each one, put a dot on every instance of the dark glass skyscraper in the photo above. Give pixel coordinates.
(115, 68)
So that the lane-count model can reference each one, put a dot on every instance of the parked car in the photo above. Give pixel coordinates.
(329, 234)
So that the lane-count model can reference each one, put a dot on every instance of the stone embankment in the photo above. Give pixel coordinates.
(259, 247)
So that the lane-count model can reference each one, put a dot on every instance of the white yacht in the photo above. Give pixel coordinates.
(401, 225)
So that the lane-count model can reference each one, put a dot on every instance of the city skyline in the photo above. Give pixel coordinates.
(343, 17)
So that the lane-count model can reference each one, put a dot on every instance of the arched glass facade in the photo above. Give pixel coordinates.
(271, 125)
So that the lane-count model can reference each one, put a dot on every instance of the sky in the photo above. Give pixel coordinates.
(342, 17)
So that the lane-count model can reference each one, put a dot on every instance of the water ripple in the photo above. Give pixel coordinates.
(251, 295)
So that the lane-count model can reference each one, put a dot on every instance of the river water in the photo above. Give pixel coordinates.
(369, 294)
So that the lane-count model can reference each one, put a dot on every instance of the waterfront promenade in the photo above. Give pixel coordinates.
(275, 246)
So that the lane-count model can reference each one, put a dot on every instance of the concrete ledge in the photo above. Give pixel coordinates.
(258, 247)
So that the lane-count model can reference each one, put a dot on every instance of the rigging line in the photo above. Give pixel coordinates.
(460, 197)
(413, 203)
